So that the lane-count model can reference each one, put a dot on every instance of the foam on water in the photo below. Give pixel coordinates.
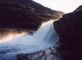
(42, 39)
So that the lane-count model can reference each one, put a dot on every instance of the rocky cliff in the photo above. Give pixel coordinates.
(69, 29)
(24, 14)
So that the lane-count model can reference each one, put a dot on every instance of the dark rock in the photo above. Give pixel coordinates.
(48, 54)
(22, 57)
(24, 14)
(69, 29)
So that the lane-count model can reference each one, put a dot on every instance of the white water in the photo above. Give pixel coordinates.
(42, 39)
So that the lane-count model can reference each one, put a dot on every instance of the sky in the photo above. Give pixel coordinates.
(66, 6)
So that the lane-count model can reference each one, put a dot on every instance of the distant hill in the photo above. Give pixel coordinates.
(24, 14)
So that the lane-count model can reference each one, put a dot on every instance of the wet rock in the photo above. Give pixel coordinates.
(48, 54)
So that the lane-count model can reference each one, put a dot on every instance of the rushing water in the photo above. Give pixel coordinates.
(42, 39)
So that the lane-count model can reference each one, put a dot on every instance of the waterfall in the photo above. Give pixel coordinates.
(42, 39)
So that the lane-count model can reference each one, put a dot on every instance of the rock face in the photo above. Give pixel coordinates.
(24, 14)
(69, 29)
(48, 54)
(20, 15)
